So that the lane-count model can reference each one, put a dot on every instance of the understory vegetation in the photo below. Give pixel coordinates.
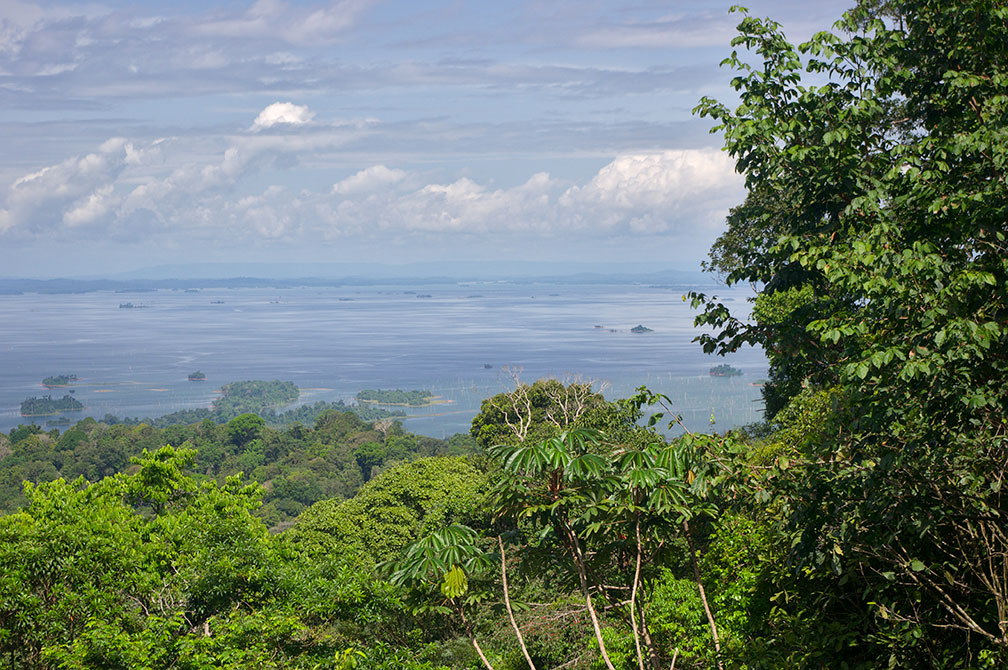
(862, 525)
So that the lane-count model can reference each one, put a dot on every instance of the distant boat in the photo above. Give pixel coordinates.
(487, 366)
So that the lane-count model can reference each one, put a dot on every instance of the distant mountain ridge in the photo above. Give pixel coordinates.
(447, 269)
(281, 275)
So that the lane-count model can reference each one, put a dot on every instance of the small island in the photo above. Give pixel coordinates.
(59, 381)
(398, 397)
(47, 406)
(725, 370)
(641, 329)
(197, 376)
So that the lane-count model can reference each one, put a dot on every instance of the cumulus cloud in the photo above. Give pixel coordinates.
(283, 113)
(77, 191)
(649, 192)
(661, 192)
(369, 179)
(92, 207)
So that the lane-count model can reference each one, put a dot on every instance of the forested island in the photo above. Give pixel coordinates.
(57, 381)
(396, 397)
(724, 370)
(197, 376)
(47, 405)
(861, 525)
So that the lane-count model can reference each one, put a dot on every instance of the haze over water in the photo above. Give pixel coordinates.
(334, 342)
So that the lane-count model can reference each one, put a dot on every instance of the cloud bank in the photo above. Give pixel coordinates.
(131, 191)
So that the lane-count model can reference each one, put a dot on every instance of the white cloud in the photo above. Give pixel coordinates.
(76, 191)
(91, 208)
(369, 179)
(285, 113)
(650, 191)
(663, 192)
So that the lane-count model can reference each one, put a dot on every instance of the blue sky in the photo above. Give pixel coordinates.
(141, 133)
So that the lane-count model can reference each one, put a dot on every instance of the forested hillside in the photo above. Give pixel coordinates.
(863, 525)
(296, 465)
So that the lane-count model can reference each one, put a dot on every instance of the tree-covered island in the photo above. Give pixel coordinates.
(47, 405)
(724, 370)
(58, 381)
(397, 397)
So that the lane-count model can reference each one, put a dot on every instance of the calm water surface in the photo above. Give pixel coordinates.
(333, 342)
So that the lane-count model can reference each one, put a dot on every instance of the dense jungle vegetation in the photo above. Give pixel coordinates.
(863, 525)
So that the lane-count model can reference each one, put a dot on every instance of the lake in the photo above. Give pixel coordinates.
(462, 341)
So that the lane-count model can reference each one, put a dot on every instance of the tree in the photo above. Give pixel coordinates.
(444, 559)
(532, 412)
(244, 428)
(395, 508)
(613, 509)
(874, 229)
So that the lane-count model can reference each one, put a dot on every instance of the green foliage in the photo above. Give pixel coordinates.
(395, 508)
(541, 410)
(244, 428)
(155, 569)
(874, 160)
(676, 618)
(297, 466)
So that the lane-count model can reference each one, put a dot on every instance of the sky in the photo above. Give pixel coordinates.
(135, 134)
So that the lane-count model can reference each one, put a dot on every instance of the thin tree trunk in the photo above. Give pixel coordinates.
(583, 577)
(472, 639)
(649, 643)
(507, 604)
(703, 594)
(633, 597)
